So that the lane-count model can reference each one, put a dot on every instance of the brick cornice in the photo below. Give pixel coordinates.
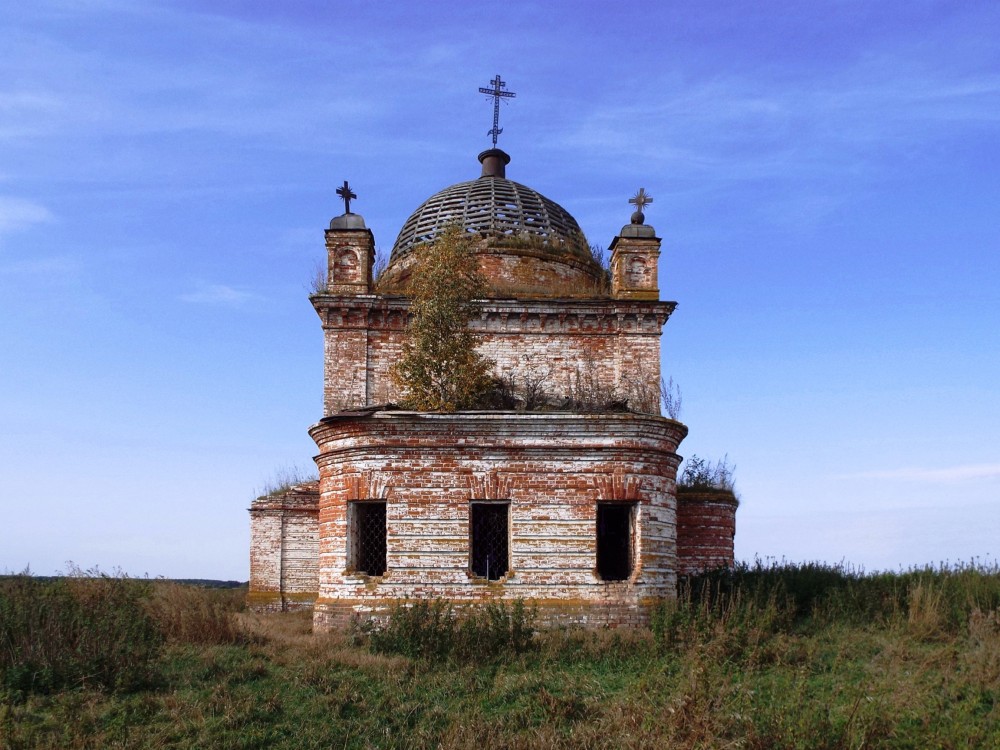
(597, 316)
(545, 432)
(705, 495)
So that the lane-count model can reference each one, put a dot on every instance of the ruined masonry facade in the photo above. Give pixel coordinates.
(575, 512)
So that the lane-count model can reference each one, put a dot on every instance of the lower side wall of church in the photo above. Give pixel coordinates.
(300, 559)
(550, 472)
(633, 612)
(553, 558)
(265, 558)
(284, 551)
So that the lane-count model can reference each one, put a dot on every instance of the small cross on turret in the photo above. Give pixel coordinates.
(640, 200)
(347, 194)
(496, 93)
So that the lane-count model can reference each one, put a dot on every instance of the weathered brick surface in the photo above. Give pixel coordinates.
(517, 270)
(565, 343)
(284, 547)
(634, 262)
(706, 528)
(350, 255)
(553, 468)
(550, 323)
(610, 613)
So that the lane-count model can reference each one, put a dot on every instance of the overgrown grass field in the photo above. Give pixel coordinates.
(767, 656)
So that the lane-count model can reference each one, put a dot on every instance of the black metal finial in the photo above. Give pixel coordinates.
(347, 194)
(640, 200)
(496, 93)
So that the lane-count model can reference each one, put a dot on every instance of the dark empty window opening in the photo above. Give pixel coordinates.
(368, 538)
(490, 540)
(614, 541)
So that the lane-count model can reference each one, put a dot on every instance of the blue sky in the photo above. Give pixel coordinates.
(826, 178)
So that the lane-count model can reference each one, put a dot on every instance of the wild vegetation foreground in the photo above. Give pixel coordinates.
(774, 656)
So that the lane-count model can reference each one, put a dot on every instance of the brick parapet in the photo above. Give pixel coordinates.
(516, 268)
(301, 496)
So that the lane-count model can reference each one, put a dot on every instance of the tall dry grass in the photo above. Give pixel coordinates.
(769, 656)
(191, 614)
(818, 594)
(87, 629)
(91, 629)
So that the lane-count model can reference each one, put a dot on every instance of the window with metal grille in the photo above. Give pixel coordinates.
(368, 547)
(490, 539)
(615, 528)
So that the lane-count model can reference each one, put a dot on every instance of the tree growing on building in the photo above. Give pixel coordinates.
(440, 369)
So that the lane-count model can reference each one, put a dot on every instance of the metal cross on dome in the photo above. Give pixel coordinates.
(640, 200)
(496, 93)
(347, 194)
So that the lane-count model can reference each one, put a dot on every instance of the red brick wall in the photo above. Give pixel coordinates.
(634, 262)
(706, 528)
(553, 468)
(349, 254)
(614, 342)
(521, 271)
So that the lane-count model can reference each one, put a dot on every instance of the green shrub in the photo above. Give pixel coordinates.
(495, 631)
(419, 630)
(704, 474)
(440, 368)
(731, 617)
(89, 629)
(432, 630)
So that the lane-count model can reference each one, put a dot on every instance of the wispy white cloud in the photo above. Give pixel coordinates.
(151, 93)
(962, 473)
(18, 108)
(17, 214)
(219, 294)
(738, 128)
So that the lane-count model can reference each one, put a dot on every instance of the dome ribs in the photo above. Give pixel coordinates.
(493, 207)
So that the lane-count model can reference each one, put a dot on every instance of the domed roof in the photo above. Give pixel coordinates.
(495, 208)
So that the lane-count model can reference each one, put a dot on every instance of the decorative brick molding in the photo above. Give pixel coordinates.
(369, 485)
(490, 485)
(617, 486)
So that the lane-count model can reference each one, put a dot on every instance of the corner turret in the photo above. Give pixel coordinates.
(350, 251)
(635, 255)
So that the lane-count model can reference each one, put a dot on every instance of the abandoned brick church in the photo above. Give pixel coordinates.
(573, 509)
